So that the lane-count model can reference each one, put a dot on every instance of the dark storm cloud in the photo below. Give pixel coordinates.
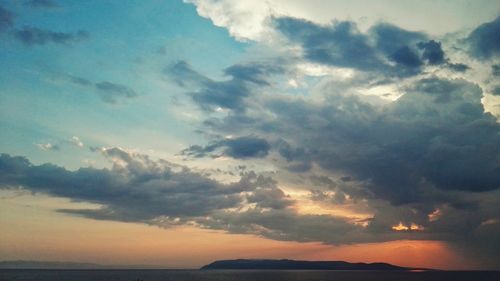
(229, 94)
(407, 57)
(459, 67)
(484, 41)
(108, 91)
(32, 36)
(242, 147)
(6, 19)
(496, 90)
(45, 4)
(432, 52)
(436, 136)
(398, 45)
(495, 70)
(390, 38)
(340, 44)
(288, 226)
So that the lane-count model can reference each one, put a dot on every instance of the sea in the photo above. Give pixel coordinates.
(242, 275)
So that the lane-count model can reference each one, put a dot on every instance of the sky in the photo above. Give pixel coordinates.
(174, 133)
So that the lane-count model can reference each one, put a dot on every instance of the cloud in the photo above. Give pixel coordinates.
(158, 192)
(407, 57)
(56, 146)
(340, 44)
(32, 36)
(249, 21)
(48, 146)
(389, 38)
(495, 70)
(138, 189)
(6, 19)
(111, 91)
(437, 135)
(238, 148)
(459, 67)
(76, 141)
(384, 49)
(229, 94)
(433, 148)
(108, 91)
(484, 41)
(79, 80)
(496, 90)
(399, 45)
(433, 52)
(45, 4)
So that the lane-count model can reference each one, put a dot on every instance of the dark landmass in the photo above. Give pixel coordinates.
(301, 265)
(21, 264)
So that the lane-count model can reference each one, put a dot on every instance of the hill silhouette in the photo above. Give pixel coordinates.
(286, 264)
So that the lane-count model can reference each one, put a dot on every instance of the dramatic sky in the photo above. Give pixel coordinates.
(176, 133)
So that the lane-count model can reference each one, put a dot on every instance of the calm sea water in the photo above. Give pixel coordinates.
(246, 275)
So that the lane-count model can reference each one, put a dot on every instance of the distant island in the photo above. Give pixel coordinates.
(285, 264)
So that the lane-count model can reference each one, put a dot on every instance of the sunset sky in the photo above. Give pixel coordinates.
(174, 133)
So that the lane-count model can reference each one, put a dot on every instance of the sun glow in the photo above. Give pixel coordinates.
(411, 227)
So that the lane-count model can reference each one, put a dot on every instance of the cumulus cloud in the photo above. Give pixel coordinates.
(433, 52)
(76, 141)
(429, 135)
(32, 36)
(340, 44)
(249, 20)
(384, 49)
(484, 41)
(138, 189)
(433, 147)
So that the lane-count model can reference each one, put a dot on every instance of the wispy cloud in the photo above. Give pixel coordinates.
(32, 36)
(108, 91)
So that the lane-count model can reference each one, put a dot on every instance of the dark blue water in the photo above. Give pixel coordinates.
(246, 275)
